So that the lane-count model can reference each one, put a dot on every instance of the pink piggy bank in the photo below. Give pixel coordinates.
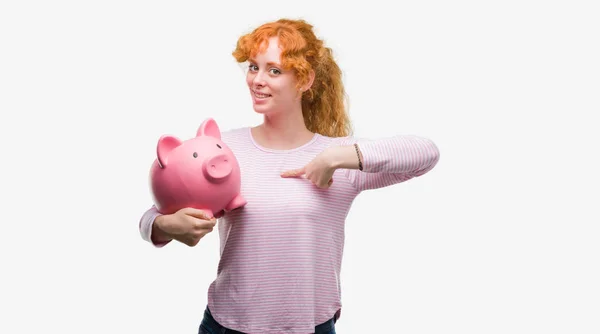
(200, 173)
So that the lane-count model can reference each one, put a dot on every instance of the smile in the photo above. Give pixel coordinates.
(260, 95)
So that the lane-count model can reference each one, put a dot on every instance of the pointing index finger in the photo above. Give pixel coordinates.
(293, 173)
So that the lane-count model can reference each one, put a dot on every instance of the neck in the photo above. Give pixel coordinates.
(283, 130)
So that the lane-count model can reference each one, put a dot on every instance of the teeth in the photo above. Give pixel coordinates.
(261, 95)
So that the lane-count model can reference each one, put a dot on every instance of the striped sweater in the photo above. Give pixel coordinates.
(280, 256)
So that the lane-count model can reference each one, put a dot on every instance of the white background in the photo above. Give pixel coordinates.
(501, 237)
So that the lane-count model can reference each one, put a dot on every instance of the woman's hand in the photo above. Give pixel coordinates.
(319, 171)
(187, 225)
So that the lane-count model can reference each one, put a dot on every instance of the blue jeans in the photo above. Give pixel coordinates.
(210, 326)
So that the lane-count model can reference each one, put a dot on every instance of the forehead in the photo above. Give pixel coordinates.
(269, 51)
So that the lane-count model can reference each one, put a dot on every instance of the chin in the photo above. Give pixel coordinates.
(260, 109)
(263, 110)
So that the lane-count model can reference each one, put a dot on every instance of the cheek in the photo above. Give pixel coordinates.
(283, 90)
(290, 92)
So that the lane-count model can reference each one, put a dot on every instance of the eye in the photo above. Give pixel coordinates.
(252, 67)
(275, 71)
(219, 146)
(195, 155)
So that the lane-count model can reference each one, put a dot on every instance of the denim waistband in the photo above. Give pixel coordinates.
(210, 322)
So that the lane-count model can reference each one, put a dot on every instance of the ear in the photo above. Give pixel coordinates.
(209, 128)
(311, 79)
(165, 145)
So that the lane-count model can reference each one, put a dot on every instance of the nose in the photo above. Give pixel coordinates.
(258, 79)
(217, 168)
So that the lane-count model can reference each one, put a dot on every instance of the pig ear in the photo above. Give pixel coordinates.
(209, 128)
(165, 145)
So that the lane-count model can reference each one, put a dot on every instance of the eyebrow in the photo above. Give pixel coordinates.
(268, 63)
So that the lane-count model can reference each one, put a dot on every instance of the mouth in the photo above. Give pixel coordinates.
(260, 95)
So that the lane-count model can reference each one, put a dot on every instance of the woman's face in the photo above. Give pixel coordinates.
(272, 88)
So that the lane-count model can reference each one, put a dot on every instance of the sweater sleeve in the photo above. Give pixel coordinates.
(392, 160)
(145, 226)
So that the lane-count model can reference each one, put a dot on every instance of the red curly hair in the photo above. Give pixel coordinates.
(323, 105)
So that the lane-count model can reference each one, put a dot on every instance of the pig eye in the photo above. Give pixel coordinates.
(195, 155)
(219, 146)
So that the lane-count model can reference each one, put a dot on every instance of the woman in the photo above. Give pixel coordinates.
(279, 270)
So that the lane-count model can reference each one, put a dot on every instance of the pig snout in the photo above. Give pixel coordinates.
(217, 168)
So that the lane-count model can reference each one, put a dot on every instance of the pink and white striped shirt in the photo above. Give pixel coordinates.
(279, 268)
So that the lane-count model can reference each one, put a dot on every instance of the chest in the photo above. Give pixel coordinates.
(271, 196)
